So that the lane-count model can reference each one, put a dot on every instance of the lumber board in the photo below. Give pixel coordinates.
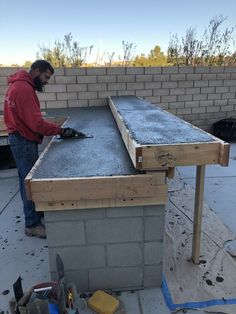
(190, 151)
(113, 187)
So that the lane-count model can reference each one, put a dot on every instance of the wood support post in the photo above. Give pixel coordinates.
(198, 205)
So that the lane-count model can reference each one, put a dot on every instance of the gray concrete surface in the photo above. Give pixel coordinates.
(28, 257)
(142, 117)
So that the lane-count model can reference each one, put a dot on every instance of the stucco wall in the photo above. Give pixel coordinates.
(200, 95)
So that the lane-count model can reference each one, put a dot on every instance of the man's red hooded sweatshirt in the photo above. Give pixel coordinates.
(22, 109)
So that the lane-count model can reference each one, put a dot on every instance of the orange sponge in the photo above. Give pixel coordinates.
(103, 303)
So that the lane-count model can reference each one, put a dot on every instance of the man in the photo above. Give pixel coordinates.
(26, 128)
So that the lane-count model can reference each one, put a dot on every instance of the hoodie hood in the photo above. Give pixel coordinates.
(21, 75)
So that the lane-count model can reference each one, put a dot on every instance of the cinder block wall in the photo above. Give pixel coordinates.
(114, 248)
(200, 95)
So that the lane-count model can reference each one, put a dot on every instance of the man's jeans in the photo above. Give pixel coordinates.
(25, 153)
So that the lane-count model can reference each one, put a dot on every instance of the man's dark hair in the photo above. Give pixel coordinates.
(42, 65)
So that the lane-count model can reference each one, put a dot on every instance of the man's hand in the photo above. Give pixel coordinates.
(70, 133)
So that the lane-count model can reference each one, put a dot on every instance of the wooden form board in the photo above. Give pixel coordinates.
(154, 156)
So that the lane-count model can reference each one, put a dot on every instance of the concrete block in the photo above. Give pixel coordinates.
(7, 71)
(73, 215)
(230, 69)
(232, 89)
(126, 92)
(230, 83)
(223, 76)
(223, 89)
(178, 77)
(134, 211)
(78, 257)
(164, 106)
(56, 231)
(183, 84)
(142, 93)
(192, 91)
(96, 71)
(176, 105)
(181, 111)
(114, 230)
(213, 109)
(59, 71)
(75, 71)
(173, 111)
(227, 108)
(46, 96)
(232, 76)
(152, 276)
(168, 98)
(87, 95)
(205, 103)
(97, 87)
(154, 228)
(77, 87)
(106, 79)
(200, 97)
(105, 94)
(153, 253)
(67, 96)
(78, 103)
(169, 85)
(116, 86)
(193, 77)
(177, 91)
(86, 79)
(154, 100)
(152, 70)
(135, 85)
(161, 91)
(161, 78)
(207, 90)
(79, 277)
(144, 78)
(170, 70)
(154, 210)
(216, 83)
(3, 80)
(202, 69)
(98, 102)
(53, 88)
(199, 110)
(232, 102)
(134, 70)
(125, 78)
(214, 96)
(116, 71)
(3, 90)
(201, 83)
(125, 254)
(186, 69)
(184, 97)
(56, 104)
(215, 69)
(152, 85)
(211, 76)
(115, 278)
(65, 79)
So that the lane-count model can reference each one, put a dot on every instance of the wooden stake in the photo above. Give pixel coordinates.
(199, 193)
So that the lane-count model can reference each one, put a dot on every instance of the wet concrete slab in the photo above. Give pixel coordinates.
(102, 155)
(150, 124)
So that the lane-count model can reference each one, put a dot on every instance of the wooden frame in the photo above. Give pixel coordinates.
(152, 157)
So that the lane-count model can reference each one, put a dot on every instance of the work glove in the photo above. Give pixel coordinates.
(70, 133)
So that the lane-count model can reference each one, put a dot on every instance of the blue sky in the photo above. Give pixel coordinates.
(26, 24)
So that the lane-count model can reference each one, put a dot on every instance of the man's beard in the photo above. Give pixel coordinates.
(38, 84)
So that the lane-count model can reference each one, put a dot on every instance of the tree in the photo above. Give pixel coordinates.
(155, 58)
(65, 53)
(128, 51)
(212, 49)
